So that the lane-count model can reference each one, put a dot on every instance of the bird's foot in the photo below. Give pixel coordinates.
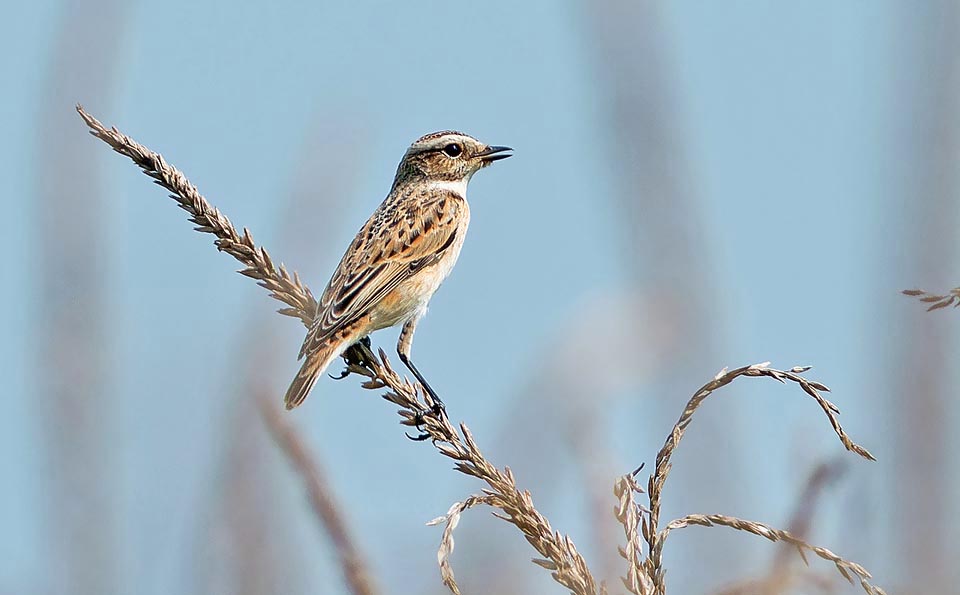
(341, 375)
(436, 410)
(359, 354)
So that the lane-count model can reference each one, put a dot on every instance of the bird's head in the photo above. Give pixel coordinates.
(448, 157)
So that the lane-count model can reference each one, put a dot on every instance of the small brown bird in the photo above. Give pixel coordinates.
(399, 257)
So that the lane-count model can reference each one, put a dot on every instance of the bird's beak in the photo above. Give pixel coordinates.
(491, 154)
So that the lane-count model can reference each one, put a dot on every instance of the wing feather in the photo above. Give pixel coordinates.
(401, 238)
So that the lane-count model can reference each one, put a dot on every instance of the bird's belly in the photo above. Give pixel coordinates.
(398, 306)
(411, 297)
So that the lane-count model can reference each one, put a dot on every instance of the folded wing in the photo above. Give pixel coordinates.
(399, 240)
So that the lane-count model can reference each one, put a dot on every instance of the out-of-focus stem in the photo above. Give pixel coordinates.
(72, 364)
(322, 501)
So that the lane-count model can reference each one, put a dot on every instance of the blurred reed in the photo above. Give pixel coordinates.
(325, 507)
(665, 243)
(919, 395)
(74, 411)
(781, 577)
(248, 545)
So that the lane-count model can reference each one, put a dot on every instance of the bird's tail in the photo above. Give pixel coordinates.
(312, 367)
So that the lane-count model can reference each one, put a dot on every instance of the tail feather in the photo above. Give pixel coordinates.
(312, 367)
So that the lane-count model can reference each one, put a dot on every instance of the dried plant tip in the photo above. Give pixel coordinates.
(542, 563)
(844, 567)
(654, 537)
(943, 304)
(937, 301)
(452, 519)
(630, 515)
(257, 263)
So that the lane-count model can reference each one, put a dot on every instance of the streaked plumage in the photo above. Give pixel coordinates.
(399, 257)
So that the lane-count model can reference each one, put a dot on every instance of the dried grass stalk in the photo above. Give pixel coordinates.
(558, 551)
(847, 569)
(936, 301)
(630, 514)
(355, 572)
(649, 524)
(208, 219)
(451, 520)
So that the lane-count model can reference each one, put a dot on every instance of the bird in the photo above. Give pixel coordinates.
(399, 257)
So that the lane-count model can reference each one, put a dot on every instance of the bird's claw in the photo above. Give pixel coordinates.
(436, 410)
(344, 374)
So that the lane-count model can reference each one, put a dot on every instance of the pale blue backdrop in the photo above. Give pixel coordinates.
(810, 141)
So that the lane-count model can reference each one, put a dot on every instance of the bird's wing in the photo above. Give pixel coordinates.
(397, 242)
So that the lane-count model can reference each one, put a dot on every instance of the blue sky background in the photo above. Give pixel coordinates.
(806, 134)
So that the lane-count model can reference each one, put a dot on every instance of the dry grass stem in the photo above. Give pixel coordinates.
(325, 508)
(208, 219)
(847, 569)
(451, 520)
(560, 556)
(559, 553)
(936, 301)
(650, 523)
(629, 513)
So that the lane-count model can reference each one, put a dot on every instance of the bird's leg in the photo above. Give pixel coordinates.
(403, 350)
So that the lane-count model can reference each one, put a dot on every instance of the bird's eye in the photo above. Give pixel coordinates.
(453, 150)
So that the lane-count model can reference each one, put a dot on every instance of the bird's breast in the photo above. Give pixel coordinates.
(411, 297)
